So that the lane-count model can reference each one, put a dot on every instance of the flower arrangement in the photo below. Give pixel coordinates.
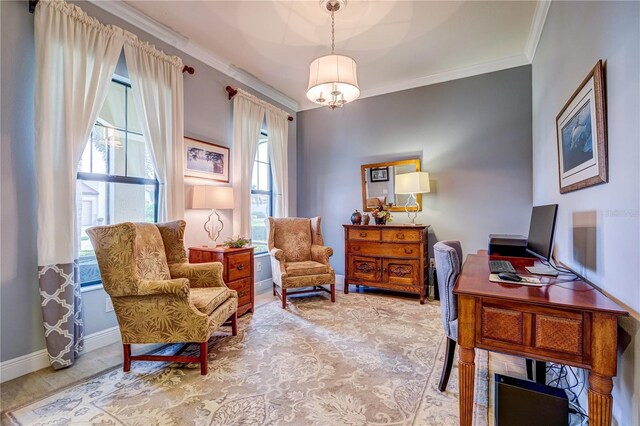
(381, 216)
(236, 242)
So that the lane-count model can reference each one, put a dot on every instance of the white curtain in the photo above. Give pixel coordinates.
(75, 58)
(278, 131)
(248, 116)
(158, 95)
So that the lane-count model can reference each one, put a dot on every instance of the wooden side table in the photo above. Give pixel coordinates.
(237, 265)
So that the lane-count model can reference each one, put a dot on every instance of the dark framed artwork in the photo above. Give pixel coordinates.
(380, 174)
(206, 160)
(581, 128)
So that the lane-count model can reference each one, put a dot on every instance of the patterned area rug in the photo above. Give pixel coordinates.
(365, 360)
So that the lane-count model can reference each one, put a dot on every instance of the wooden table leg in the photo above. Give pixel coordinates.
(604, 334)
(466, 376)
(466, 361)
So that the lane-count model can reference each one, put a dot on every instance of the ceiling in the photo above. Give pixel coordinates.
(397, 44)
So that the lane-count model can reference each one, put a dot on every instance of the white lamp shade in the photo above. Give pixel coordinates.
(212, 197)
(412, 183)
(333, 73)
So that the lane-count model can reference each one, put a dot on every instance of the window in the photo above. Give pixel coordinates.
(116, 178)
(261, 195)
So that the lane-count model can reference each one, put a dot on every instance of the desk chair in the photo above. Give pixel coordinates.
(448, 256)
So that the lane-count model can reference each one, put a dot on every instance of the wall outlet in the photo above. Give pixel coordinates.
(432, 263)
(108, 305)
(258, 266)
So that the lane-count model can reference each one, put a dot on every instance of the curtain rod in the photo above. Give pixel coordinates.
(232, 92)
(186, 68)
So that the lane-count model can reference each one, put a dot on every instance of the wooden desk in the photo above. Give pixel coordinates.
(566, 322)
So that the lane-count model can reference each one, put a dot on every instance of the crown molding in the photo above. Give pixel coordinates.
(138, 19)
(473, 70)
(537, 25)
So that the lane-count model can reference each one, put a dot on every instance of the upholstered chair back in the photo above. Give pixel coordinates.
(127, 253)
(173, 238)
(294, 236)
(150, 257)
(448, 256)
(114, 248)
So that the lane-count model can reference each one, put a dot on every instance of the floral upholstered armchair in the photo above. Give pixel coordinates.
(299, 257)
(159, 297)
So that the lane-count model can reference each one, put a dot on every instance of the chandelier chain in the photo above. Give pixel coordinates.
(333, 31)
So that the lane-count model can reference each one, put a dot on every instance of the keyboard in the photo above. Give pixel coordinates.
(497, 266)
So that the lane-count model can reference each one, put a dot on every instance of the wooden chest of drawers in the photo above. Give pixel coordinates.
(391, 257)
(237, 265)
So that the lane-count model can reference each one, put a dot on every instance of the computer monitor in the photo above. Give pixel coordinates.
(541, 229)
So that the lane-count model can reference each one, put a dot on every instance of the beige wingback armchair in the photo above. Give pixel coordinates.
(299, 257)
(159, 297)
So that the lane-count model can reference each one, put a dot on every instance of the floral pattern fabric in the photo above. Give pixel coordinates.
(173, 239)
(309, 267)
(297, 253)
(153, 303)
(293, 236)
(367, 360)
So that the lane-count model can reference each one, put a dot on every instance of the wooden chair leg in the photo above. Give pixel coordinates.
(448, 363)
(126, 349)
(333, 293)
(234, 324)
(204, 358)
(284, 298)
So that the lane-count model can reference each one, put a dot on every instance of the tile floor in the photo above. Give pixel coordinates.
(40, 383)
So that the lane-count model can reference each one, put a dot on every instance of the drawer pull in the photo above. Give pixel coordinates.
(408, 251)
(356, 248)
(400, 236)
(363, 234)
(240, 267)
(240, 294)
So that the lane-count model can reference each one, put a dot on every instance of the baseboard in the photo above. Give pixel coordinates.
(101, 338)
(263, 286)
(22, 365)
(38, 360)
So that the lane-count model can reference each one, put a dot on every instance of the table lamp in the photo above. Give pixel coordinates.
(412, 184)
(214, 198)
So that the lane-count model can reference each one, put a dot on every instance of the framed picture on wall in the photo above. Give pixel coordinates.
(206, 160)
(380, 174)
(581, 129)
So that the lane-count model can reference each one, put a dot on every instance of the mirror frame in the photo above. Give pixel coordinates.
(394, 208)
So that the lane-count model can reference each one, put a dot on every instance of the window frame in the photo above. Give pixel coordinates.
(263, 133)
(109, 178)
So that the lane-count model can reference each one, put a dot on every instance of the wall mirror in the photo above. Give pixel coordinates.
(378, 183)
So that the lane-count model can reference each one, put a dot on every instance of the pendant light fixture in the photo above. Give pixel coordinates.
(332, 78)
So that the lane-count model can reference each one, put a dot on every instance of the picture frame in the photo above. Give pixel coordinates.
(379, 174)
(206, 160)
(581, 130)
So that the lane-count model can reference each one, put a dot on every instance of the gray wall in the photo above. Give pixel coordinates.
(598, 228)
(473, 136)
(208, 116)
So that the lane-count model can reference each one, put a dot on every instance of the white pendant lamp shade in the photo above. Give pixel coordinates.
(333, 81)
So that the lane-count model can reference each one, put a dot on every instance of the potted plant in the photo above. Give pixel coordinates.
(236, 242)
(381, 216)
